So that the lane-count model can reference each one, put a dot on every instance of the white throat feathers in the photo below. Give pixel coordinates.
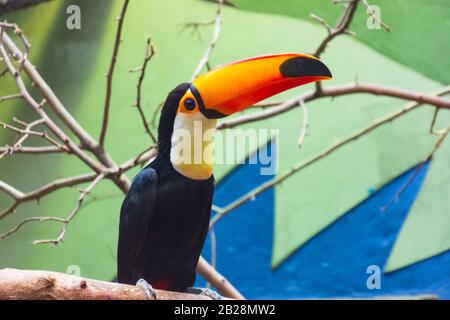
(192, 145)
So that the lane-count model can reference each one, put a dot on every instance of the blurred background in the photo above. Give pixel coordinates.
(374, 206)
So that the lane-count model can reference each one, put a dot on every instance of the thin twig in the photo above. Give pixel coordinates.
(35, 195)
(304, 126)
(408, 183)
(340, 28)
(155, 113)
(110, 75)
(8, 150)
(27, 132)
(433, 130)
(372, 14)
(28, 220)
(195, 27)
(10, 97)
(74, 212)
(37, 107)
(25, 42)
(205, 59)
(322, 22)
(18, 144)
(149, 53)
(86, 140)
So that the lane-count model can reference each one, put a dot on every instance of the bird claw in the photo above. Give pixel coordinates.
(148, 289)
(205, 292)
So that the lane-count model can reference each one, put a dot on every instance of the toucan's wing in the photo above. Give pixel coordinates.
(135, 215)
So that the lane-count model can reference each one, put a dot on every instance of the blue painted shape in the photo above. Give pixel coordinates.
(334, 262)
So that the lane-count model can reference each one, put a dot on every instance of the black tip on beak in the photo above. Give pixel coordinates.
(304, 67)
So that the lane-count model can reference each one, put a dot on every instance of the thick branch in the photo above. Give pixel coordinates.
(44, 285)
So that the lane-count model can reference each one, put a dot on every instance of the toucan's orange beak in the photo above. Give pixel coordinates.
(235, 86)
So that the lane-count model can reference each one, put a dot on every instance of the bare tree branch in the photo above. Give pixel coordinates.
(74, 212)
(28, 132)
(372, 14)
(108, 168)
(217, 280)
(110, 75)
(10, 190)
(408, 183)
(340, 28)
(39, 193)
(218, 24)
(8, 150)
(149, 53)
(304, 164)
(87, 142)
(304, 126)
(10, 97)
(17, 147)
(336, 91)
(195, 27)
(40, 111)
(27, 220)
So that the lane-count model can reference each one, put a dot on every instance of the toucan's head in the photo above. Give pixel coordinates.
(231, 88)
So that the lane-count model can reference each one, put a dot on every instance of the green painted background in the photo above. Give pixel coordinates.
(74, 64)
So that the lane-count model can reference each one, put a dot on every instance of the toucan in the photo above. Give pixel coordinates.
(165, 215)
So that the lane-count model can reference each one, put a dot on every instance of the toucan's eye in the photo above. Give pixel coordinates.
(189, 104)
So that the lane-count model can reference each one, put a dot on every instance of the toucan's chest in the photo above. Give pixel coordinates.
(182, 199)
(177, 229)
